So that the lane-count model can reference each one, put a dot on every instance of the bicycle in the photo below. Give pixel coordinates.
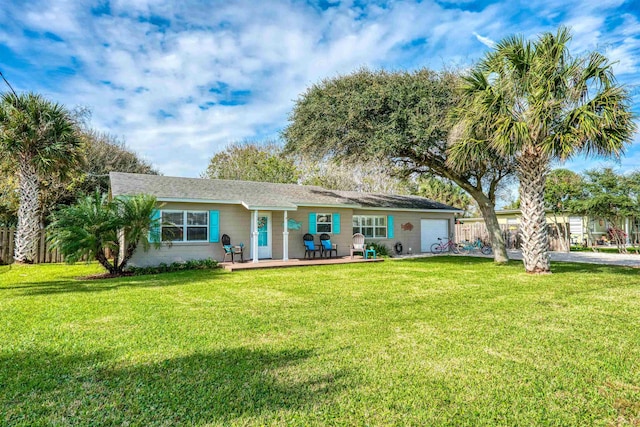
(467, 247)
(448, 246)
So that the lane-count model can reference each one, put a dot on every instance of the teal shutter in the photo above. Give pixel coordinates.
(336, 223)
(390, 227)
(214, 226)
(155, 229)
(312, 223)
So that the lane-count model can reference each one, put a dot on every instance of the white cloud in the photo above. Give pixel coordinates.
(485, 40)
(271, 50)
(624, 56)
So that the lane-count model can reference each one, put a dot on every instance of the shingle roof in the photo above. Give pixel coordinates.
(259, 195)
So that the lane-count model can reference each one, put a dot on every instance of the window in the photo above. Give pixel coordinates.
(185, 226)
(323, 223)
(371, 226)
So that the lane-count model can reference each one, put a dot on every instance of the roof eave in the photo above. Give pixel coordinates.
(269, 208)
(454, 211)
(327, 205)
(188, 200)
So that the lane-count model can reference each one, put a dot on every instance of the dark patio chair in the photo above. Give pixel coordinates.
(309, 246)
(231, 250)
(326, 246)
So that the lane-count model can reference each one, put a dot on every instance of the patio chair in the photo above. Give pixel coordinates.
(309, 246)
(357, 244)
(326, 246)
(231, 250)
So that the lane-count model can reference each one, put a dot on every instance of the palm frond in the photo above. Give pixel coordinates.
(40, 130)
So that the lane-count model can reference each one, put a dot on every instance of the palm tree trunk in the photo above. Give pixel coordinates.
(101, 257)
(28, 228)
(532, 170)
(129, 251)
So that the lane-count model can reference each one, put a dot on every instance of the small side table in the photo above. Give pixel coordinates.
(368, 252)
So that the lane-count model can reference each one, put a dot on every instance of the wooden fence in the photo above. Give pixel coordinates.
(44, 254)
(510, 234)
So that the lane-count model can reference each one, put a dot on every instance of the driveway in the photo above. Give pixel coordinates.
(626, 260)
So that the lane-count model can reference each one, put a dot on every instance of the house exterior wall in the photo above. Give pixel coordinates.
(235, 220)
(296, 247)
(410, 239)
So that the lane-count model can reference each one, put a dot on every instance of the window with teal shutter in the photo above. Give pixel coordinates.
(390, 226)
(336, 223)
(312, 223)
(372, 226)
(214, 226)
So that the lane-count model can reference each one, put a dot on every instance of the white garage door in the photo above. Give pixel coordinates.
(575, 225)
(575, 228)
(430, 230)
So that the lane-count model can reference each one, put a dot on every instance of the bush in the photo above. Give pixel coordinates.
(380, 248)
(194, 264)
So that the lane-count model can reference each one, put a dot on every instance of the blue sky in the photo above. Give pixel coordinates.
(178, 80)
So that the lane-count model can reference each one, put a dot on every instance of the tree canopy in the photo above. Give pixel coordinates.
(249, 161)
(8, 194)
(443, 191)
(562, 187)
(106, 153)
(333, 175)
(607, 195)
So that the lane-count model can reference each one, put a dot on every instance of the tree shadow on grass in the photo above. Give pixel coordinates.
(557, 267)
(220, 387)
(561, 267)
(72, 285)
(449, 260)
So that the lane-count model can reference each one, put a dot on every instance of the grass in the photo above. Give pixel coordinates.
(603, 249)
(434, 341)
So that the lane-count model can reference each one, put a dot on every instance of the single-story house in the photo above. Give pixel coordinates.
(270, 219)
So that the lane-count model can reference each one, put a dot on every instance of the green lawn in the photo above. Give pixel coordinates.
(434, 341)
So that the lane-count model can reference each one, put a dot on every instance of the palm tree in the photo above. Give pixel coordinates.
(40, 137)
(533, 102)
(108, 231)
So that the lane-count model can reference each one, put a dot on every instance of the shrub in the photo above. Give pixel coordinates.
(194, 264)
(380, 248)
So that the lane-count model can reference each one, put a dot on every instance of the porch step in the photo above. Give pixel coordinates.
(294, 263)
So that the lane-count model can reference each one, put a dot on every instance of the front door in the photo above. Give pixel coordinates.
(264, 235)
